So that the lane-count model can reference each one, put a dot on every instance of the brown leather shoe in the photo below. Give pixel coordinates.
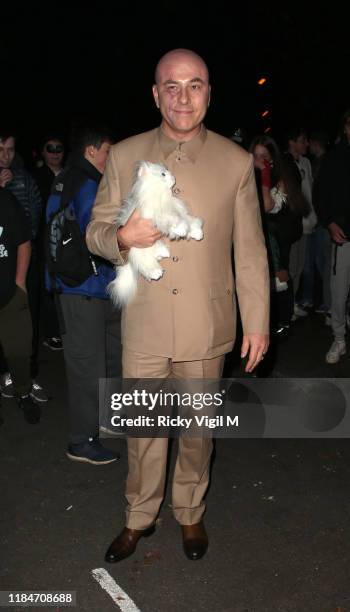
(125, 543)
(195, 541)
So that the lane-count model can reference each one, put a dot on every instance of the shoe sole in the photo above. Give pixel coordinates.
(108, 433)
(38, 399)
(337, 360)
(53, 348)
(91, 461)
(4, 394)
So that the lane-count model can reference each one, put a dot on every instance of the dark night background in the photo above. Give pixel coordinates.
(63, 62)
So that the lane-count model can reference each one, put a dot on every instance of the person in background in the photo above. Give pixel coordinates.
(15, 179)
(52, 156)
(296, 156)
(91, 334)
(15, 322)
(332, 198)
(318, 255)
(282, 207)
(52, 152)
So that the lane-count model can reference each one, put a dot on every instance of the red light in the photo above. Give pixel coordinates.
(265, 113)
(262, 81)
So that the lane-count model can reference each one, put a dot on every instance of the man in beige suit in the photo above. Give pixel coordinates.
(182, 325)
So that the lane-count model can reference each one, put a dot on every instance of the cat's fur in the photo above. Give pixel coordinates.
(152, 195)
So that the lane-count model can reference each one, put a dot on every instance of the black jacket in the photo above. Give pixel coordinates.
(332, 188)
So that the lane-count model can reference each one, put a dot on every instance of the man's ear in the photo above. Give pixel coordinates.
(155, 95)
(209, 95)
(89, 152)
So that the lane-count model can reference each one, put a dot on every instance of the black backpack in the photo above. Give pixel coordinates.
(67, 255)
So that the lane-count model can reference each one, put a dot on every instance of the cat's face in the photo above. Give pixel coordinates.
(156, 172)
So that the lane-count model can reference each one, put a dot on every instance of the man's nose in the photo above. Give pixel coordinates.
(184, 95)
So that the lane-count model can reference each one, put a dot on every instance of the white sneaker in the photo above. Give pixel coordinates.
(6, 385)
(299, 311)
(337, 349)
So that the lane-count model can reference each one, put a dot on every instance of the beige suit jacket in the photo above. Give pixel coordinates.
(190, 313)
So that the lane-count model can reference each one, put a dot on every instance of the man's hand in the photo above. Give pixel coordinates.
(337, 233)
(256, 345)
(138, 232)
(282, 276)
(6, 176)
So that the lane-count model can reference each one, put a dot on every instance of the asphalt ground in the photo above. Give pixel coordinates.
(278, 512)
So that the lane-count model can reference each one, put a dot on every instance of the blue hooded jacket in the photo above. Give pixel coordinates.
(82, 179)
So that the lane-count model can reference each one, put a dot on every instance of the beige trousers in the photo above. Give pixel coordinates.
(148, 456)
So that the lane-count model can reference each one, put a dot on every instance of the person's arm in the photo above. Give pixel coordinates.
(268, 201)
(137, 232)
(23, 258)
(266, 186)
(6, 176)
(252, 274)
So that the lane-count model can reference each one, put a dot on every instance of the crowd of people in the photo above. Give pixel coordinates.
(304, 194)
(185, 328)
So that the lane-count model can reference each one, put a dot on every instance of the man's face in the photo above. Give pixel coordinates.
(99, 156)
(261, 156)
(52, 153)
(7, 152)
(182, 94)
(300, 145)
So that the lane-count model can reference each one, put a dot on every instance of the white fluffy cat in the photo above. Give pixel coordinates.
(152, 195)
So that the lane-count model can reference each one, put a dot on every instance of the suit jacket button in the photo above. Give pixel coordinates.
(175, 291)
(175, 258)
(228, 292)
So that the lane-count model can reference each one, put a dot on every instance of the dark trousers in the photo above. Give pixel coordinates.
(48, 315)
(16, 338)
(282, 307)
(92, 350)
(33, 289)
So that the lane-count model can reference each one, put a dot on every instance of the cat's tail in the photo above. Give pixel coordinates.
(123, 288)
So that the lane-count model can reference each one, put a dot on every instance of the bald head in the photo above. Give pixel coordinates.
(177, 57)
(182, 93)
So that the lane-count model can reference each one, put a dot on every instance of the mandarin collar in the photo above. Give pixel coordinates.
(191, 148)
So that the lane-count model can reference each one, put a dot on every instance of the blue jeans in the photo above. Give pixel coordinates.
(316, 258)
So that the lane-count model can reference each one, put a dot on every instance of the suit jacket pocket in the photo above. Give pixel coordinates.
(222, 313)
